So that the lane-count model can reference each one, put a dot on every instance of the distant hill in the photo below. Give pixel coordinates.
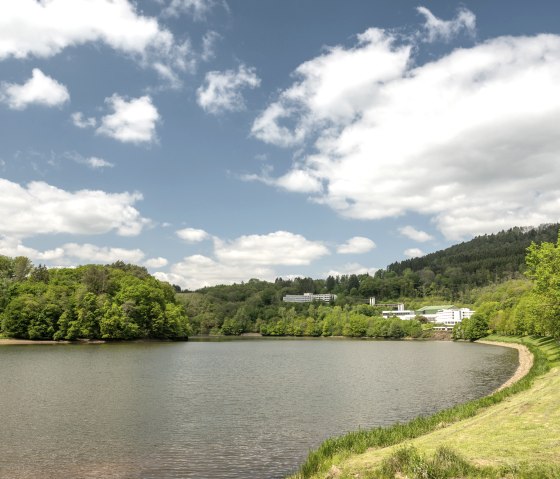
(486, 258)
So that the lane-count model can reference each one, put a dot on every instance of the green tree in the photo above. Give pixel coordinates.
(22, 268)
(543, 267)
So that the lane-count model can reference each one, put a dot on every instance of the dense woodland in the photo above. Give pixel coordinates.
(488, 269)
(508, 278)
(119, 301)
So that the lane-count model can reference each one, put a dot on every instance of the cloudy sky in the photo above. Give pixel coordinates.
(214, 141)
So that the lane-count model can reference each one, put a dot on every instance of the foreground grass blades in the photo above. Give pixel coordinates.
(348, 451)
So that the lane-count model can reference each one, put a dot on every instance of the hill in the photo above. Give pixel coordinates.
(486, 258)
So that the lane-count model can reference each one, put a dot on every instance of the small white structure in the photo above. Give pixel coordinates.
(308, 298)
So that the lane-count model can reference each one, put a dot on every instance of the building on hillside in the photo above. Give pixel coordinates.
(400, 312)
(430, 312)
(445, 317)
(308, 298)
(405, 314)
(451, 317)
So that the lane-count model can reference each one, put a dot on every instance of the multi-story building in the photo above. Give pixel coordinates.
(308, 298)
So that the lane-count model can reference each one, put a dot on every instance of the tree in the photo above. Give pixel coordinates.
(543, 267)
(473, 328)
(22, 267)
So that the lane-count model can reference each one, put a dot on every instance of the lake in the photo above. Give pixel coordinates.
(247, 408)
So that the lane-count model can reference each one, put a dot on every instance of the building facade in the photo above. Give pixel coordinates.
(308, 298)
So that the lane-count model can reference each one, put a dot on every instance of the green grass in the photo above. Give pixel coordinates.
(337, 450)
(446, 463)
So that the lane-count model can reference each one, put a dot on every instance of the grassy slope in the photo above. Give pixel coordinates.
(521, 429)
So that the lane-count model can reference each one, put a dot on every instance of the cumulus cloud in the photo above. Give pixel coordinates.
(351, 268)
(158, 262)
(414, 234)
(132, 121)
(29, 28)
(296, 180)
(414, 252)
(13, 247)
(71, 254)
(40, 89)
(462, 140)
(221, 91)
(79, 120)
(89, 253)
(437, 29)
(279, 248)
(250, 256)
(39, 208)
(332, 88)
(192, 235)
(198, 271)
(356, 245)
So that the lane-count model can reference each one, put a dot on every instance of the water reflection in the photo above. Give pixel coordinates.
(233, 409)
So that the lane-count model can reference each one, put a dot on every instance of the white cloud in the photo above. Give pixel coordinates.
(92, 162)
(44, 29)
(356, 245)
(88, 253)
(40, 89)
(296, 180)
(414, 234)
(198, 9)
(132, 121)
(71, 254)
(438, 29)
(81, 121)
(192, 235)
(98, 163)
(414, 252)
(209, 41)
(221, 91)
(246, 257)
(279, 248)
(13, 247)
(463, 139)
(158, 262)
(40, 208)
(198, 271)
(332, 88)
(351, 268)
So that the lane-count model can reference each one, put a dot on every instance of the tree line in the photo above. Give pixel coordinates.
(117, 301)
(122, 301)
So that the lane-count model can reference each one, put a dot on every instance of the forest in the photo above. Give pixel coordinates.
(488, 274)
(117, 301)
(510, 279)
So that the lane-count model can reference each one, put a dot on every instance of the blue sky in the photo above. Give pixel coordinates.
(216, 141)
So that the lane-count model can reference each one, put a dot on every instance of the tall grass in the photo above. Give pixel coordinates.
(546, 352)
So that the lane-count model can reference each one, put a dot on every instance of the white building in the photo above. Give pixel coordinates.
(308, 298)
(400, 313)
(451, 317)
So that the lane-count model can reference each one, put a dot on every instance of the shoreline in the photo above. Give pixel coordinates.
(510, 414)
(526, 360)
(15, 341)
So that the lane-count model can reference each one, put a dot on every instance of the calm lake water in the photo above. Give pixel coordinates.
(235, 409)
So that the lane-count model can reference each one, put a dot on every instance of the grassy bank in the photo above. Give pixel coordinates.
(517, 428)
